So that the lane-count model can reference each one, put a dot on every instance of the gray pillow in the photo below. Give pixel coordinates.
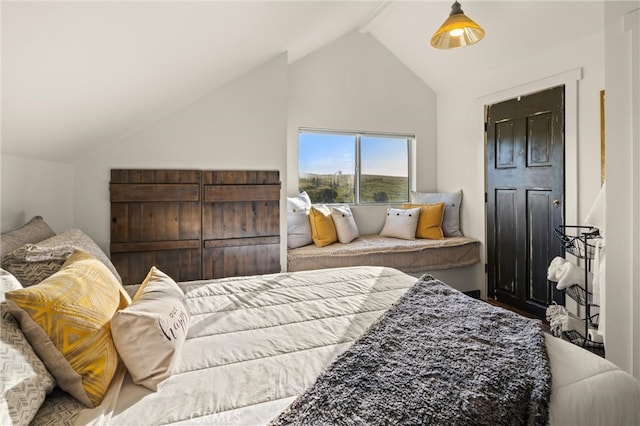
(35, 230)
(33, 263)
(452, 202)
(36, 262)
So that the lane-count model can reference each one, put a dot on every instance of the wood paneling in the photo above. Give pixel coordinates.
(122, 192)
(194, 224)
(156, 220)
(181, 265)
(240, 223)
(220, 193)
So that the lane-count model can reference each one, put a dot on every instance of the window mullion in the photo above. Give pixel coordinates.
(357, 171)
(409, 170)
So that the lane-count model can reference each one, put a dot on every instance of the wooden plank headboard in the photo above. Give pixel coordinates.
(194, 224)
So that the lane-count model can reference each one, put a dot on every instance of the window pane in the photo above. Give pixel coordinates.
(384, 170)
(327, 164)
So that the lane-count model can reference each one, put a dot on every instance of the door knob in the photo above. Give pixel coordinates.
(556, 202)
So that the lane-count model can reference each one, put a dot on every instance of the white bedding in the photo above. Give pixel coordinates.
(255, 343)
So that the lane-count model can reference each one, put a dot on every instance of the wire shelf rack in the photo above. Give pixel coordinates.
(581, 245)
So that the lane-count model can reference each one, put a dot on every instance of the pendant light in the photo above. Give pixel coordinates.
(457, 31)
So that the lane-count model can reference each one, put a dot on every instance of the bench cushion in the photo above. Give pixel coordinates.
(417, 255)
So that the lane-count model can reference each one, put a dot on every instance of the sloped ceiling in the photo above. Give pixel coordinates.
(516, 32)
(76, 75)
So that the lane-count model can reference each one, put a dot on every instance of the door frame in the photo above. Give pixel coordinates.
(570, 81)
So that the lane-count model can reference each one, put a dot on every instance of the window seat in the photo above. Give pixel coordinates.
(419, 255)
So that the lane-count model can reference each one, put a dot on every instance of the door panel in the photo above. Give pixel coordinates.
(506, 243)
(540, 220)
(525, 190)
(539, 139)
(505, 141)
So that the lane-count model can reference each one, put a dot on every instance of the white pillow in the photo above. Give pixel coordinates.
(345, 224)
(150, 333)
(452, 201)
(401, 223)
(25, 381)
(298, 226)
(7, 283)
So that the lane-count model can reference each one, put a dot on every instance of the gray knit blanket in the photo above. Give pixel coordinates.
(437, 357)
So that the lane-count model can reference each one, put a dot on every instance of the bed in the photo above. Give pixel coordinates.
(256, 343)
(257, 346)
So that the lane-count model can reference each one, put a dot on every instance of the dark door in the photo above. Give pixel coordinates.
(525, 197)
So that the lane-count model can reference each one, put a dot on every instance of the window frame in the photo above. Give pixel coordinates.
(358, 135)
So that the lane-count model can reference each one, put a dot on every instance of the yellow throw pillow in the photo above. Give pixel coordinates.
(323, 231)
(430, 220)
(66, 320)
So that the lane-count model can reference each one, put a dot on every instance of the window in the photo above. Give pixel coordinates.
(355, 168)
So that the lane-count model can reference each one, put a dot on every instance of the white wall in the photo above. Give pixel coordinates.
(241, 125)
(34, 187)
(356, 84)
(622, 42)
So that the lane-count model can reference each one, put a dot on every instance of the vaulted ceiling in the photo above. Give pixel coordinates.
(76, 75)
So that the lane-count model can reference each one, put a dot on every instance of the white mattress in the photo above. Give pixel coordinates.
(255, 343)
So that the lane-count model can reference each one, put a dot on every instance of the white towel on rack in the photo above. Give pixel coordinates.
(599, 279)
(566, 273)
(569, 274)
(554, 268)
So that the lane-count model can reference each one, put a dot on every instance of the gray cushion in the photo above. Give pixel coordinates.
(33, 263)
(35, 230)
(36, 262)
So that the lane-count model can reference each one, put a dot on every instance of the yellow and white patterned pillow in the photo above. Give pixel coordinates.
(66, 319)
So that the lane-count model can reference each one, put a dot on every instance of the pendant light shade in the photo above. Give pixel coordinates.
(457, 31)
